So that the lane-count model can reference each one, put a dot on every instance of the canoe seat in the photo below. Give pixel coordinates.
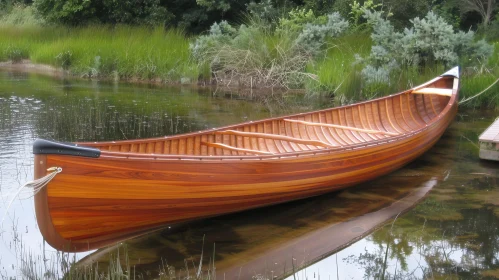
(437, 91)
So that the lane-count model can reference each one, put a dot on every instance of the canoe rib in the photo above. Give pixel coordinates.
(135, 186)
(224, 146)
(275, 137)
(344, 127)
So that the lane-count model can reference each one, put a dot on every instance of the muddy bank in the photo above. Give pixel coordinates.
(27, 66)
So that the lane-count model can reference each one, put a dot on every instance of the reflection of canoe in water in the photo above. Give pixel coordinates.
(109, 191)
(303, 232)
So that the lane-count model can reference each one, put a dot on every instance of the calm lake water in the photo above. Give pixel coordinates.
(446, 203)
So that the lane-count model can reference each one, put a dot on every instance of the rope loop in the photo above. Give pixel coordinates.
(37, 185)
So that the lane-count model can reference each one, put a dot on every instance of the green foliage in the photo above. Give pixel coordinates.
(14, 54)
(221, 5)
(298, 18)
(256, 55)
(313, 37)
(264, 10)
(7, 5)
(320, 7)
(337, 74)
(219, 34)
(429, 42)
(493, 31)
(252, 56)
(20, 15)
(357, 10)
(64, 59)
(404, 10)
(449, 12)
(76, 12)
(115, 52)
(342, 7)
(66, 12)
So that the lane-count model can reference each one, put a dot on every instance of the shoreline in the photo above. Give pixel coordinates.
(26, 66)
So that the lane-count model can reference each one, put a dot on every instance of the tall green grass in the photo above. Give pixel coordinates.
(124, 52)
(337, 72)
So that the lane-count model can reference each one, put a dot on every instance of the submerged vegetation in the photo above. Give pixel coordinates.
(350, 51)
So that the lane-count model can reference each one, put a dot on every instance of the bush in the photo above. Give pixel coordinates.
(430, 41)
(313, 37)
(297, 19)
(255, 55)
(264, 10)
(76, 12)
(20, 15)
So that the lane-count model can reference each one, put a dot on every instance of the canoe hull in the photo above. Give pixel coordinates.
(109, 199)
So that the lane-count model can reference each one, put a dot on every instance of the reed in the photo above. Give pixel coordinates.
(119, 265)
(122, 52)
(337, 71)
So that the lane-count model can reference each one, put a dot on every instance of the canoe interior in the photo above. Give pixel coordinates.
(376, 120)
(135, 186)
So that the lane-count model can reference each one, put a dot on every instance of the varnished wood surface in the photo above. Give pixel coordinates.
(140, 185)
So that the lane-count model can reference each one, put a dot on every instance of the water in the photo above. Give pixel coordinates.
(452, 232)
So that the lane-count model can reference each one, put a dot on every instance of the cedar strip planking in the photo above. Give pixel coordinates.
(139, 185)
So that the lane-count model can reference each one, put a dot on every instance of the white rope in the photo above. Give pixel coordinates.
(37, 185)
(478, 94)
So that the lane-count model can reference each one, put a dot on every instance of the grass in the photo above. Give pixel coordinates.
(118, 266)
(123, 52)
(478, 79)
(337, 73)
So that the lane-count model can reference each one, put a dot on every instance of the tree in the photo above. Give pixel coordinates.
(483, 7)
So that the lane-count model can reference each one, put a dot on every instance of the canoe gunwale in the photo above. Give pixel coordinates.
(279, 156)
(354, 162)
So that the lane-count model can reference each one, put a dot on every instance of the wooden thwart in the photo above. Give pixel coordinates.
(436, 91)
(223, 146)
(343, 127)
(276, 137)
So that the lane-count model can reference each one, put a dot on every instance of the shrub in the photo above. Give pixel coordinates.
(431, 41)
(264, 10)
(297, 19)
(149, 12)
(255, 55)
(20, 15)
(313, 37)
(219, 34)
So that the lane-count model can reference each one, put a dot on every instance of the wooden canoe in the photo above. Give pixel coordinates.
(110, 191)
